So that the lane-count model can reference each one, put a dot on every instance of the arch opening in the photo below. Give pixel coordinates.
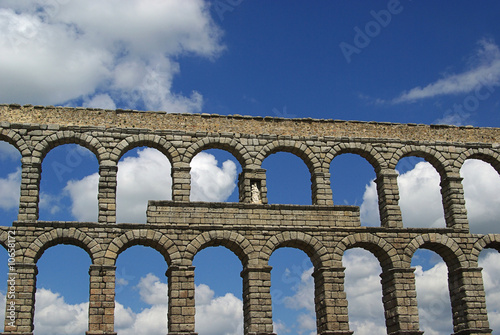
(481, 183)
(143, 174)
(292, 292)
(364, 291)
(288, 179)
(489, 260)
(62, 296)
(420, 197)
(214, 174)
(433, 297)
(69, 185)
(353, 183)
(141, 291)
(10, 183)
(218, 292)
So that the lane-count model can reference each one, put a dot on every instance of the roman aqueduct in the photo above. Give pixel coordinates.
(252, 228)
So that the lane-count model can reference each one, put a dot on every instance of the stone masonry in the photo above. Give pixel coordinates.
(179, 229)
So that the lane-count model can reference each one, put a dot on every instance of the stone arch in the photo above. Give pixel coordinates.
(4, 237)
(385, 252)
(146, 140)
(314, 248)
(69, 137)
(366, 151)
(444, 246)
(235, 242)
(72, 236)
(145, 237)
(487, 241)
(485, 155)
(434, 157)
(298, 148)
(16, 140)
(224, 143)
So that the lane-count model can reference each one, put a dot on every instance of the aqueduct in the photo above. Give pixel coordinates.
(252, 228)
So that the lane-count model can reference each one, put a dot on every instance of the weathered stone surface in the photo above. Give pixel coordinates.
(179, 229)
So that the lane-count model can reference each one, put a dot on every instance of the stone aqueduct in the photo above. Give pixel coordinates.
(178, 229)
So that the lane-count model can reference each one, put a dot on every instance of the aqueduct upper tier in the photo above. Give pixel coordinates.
(252, 228)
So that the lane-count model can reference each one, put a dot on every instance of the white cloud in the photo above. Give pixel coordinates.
(147, 177)
(219, 315)
(364, 292)
(490, 262)
(457, 119)
(280, 328)
(84, 195)
(484, 71)
(51, 203)
(10, 190)
(369, 212)
(209, 182)
(142, 178)
(420, 197)
(304, 293)
(152, 290)
(434, 306)
(481, 184)
(101, 101)
(150, 321)
(54, 316)
(127, 47)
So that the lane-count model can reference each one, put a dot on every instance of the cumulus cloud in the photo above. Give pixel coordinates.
(481, 184)
(209, 182)
(128, 48)
(218, 315)
(147, 177)
(484, 70)
(11, 188)
(434, 306)
(54, 316)
(83, 193)
(490, 262)
(364, 292)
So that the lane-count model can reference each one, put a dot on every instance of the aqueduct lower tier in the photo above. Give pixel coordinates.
(252, 229)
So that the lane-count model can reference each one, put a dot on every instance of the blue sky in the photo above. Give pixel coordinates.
(396, 61)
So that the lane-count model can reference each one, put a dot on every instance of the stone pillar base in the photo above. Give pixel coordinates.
(407, 332)
(254, 333)
(16, 333)
(336, 332)
(182, 333)
(472, 331)
(99, 333)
